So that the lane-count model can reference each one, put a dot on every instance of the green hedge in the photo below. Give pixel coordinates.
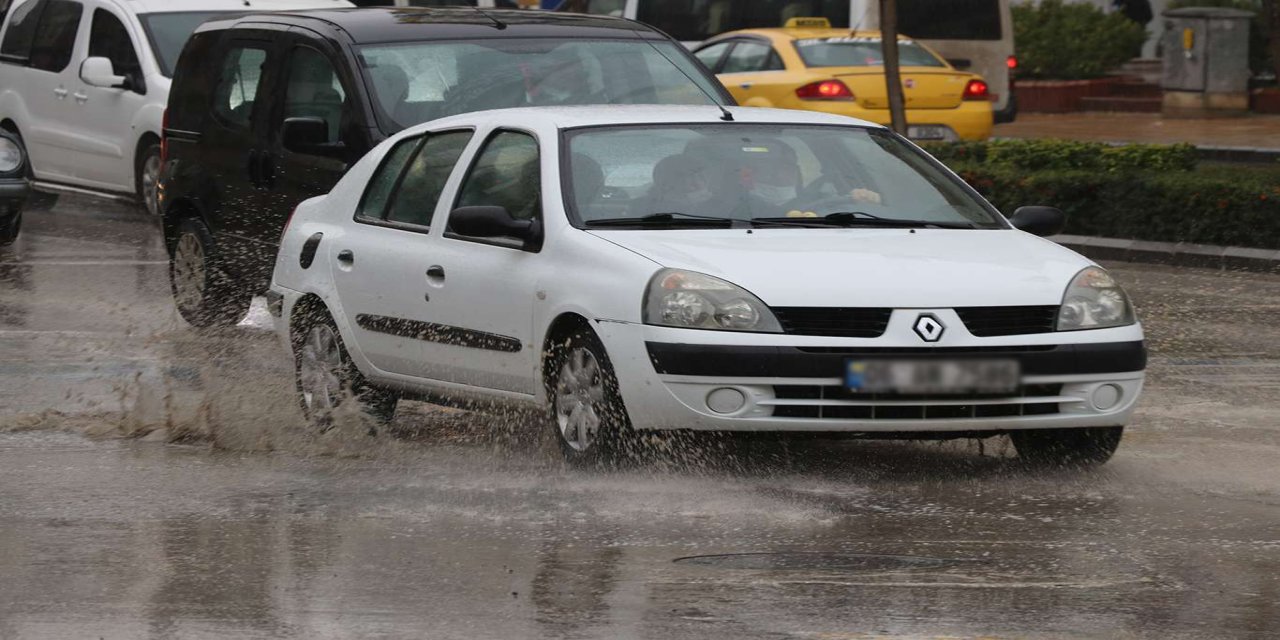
(1044, 155)
(1241, 211)
(1061, 41)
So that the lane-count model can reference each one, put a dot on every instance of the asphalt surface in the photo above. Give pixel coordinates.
(156, 482)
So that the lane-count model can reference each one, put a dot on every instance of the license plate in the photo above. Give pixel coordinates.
(932, 376)
(926, 132)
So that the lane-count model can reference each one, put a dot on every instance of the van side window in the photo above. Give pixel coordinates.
(314, 91)
(22, 31)
(58, 26)
(242, 71)
(506, 174)
(109, 39)
(414, 202)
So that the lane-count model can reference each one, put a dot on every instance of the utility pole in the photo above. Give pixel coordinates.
(892, 77)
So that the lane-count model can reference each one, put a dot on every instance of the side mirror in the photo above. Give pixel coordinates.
(310, 135)
(960, 63)
(1040, 221)
(99, 72)
(495, 222)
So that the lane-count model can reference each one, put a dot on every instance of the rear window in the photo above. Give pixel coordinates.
(168, 32)
(950, 19)
(861, 52)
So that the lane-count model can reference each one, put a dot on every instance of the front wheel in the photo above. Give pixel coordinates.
(1081, 447)
(587, 411)
(203, 293)
(327, 379)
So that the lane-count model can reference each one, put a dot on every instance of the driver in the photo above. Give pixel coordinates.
(771, 174)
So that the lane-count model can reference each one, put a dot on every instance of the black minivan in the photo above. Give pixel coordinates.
(267, 110)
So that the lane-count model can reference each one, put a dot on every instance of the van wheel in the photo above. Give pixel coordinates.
(587, 412)
(9, 230)
(326, 377)
(204, 295)
(1081, 447)
(148, 179)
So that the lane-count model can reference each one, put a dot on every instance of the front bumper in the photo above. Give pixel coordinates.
(796, 383)
(14, 191)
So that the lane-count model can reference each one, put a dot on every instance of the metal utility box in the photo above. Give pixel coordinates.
(1206, 61)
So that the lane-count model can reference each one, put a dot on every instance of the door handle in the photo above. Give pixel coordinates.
(60, 92)
(80, 97)
(346, 256)
(745, 85)
(435, 274)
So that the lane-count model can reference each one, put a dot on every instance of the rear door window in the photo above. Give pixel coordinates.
(374, 203)
(59, 23)
(750, 57)
(414, 201)
(711, 55)
(242, 72)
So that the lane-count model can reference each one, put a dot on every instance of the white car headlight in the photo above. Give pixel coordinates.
(1094, 301)
(693, 300)
(10, 156)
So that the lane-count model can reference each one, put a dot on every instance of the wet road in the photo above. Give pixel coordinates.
(155, 482)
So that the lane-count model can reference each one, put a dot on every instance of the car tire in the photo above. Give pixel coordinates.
(9, 230)
(204, 295)
(587, 414)
(147, 178)
(326, 378)
(1081, 447)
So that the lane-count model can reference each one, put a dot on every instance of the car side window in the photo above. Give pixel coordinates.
(751, 56)
(414, 200)
(506, 174)
(57, 30)
(711, 55)
(22, 31)
(374, 202)
(242, 71)
(109, 39)
(315, 91)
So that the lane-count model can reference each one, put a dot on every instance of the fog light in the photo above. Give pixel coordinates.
(1106, 397)
(725, 400)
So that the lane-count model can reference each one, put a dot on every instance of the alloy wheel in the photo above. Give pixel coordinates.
(320, 371)
(151, 184)
(189, 279)
(579, 399)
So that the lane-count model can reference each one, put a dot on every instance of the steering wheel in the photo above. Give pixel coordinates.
(839, 183)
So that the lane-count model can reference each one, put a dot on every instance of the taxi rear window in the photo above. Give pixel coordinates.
(861, 52)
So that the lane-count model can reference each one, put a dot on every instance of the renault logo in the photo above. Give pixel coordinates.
(929, 328)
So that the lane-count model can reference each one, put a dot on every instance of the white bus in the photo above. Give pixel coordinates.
(976, 34)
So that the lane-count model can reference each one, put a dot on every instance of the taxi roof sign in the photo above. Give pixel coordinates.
(807, 23)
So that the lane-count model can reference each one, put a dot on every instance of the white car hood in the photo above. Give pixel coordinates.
(901, 268)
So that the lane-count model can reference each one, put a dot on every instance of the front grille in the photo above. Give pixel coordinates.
(840, 322)
(838, 403)
(987, 322)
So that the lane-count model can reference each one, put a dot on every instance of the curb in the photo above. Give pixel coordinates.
(1179, 254)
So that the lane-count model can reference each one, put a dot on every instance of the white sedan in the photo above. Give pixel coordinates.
(633, 268)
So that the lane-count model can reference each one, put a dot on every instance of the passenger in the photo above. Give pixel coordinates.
(680, 185)
(565, 82)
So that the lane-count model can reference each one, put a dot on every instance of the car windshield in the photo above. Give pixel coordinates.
(860, 52)
(417, 82)
(168, 32)
(742, 174)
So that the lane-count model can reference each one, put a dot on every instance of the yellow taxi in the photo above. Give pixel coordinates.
(809, 65)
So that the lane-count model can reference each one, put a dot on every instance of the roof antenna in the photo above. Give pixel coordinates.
(497, 24)
(724, 113)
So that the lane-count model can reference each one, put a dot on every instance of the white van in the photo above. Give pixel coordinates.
(975, 35)
(84, 84)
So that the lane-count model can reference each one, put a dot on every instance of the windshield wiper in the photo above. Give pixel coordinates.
(864, 219)
(668, 218)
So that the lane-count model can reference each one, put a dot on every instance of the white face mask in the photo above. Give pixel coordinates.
(774, 193)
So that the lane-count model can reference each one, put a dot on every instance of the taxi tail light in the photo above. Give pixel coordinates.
(825, 90)
(977, 90)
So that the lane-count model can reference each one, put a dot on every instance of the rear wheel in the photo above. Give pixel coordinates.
(203, 293)
(326, 377)
(1082, 447)
(148, 178)
(587, 412)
